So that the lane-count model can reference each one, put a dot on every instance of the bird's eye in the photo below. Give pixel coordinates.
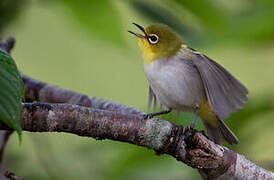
(153, 38)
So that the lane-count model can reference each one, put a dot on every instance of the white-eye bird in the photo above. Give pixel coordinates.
(183, 79)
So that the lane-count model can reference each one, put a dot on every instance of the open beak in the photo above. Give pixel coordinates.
(137, 34)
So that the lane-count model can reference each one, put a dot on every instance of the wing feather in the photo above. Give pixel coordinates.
(225, 93)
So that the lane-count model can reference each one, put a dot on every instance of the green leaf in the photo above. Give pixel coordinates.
(11, 93)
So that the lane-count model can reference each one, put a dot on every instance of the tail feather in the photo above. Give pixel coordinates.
(220, 133)
(213, 133)
(228, 135)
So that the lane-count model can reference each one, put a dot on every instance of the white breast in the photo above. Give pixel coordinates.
(176, 83)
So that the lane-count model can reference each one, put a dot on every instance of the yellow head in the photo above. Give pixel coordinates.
(157, 42)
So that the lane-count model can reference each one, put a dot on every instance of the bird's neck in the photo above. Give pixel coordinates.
(149, 55)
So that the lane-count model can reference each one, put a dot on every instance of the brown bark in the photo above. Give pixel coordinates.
(186, 145)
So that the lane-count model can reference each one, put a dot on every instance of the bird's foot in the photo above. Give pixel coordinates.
(188, 131)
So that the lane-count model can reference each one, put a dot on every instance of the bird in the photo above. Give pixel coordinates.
(185, 80)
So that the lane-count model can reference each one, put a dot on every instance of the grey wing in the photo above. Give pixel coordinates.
(224, 92)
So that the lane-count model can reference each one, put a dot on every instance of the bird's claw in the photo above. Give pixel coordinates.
(188, 131)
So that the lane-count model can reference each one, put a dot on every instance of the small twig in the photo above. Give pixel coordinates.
(12, 176)
(4, 136)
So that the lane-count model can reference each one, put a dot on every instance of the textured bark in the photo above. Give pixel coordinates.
(186, 145)
(42, 92)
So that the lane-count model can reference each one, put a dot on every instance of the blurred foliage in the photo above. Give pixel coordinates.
(207, 13)
(9, 9)
(238, 34)
(215, 20)
(98, 17)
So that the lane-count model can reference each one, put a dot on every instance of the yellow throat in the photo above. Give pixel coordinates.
(158, 42)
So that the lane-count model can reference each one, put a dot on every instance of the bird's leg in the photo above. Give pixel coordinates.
(151, 115)
(194, 117)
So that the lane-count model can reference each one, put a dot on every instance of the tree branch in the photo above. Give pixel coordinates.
(42, 92)
(186, 145)
(106, 119)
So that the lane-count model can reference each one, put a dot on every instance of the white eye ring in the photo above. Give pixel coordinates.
(153, 38)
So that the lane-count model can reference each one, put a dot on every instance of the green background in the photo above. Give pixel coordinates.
(84, 46)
